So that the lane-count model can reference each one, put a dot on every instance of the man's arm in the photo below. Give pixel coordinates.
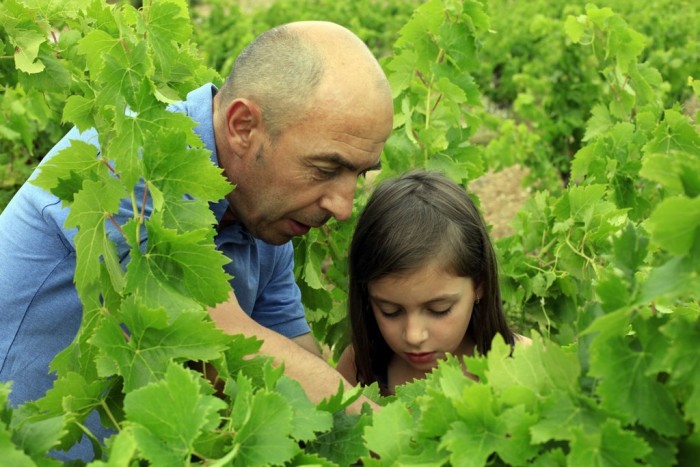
(307, 342)
(317, 377)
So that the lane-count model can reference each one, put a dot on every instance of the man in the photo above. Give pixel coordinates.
(296, 165)
(305, 111)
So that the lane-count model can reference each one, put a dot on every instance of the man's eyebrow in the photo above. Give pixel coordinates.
(377, 166)
(343, 162)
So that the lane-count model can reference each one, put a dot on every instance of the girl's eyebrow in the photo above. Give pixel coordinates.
(438, 299)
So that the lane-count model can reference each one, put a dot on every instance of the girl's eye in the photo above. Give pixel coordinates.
(390, 314)
(442, 312)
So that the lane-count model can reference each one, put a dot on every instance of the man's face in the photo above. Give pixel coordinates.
(309, 173)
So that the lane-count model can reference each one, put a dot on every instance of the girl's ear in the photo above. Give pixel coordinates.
(244, 126)
(479, 293)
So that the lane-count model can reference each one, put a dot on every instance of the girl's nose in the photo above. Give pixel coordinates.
(415, 332)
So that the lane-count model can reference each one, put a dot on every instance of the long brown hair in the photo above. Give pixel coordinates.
(408, 221)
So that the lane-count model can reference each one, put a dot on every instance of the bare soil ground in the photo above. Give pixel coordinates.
(501, 194)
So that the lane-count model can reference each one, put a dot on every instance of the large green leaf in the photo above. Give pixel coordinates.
(167, 416)
(144, 353)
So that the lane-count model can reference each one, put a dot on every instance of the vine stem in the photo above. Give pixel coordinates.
(111, 169)
(134, 206)
(90, 435)
(335, 251)
(142, 215)
(428, 111)
(427, 102)
(437, 101)
(614, 91)
(415, 136)
(226, 460)
(581, 254)
(546, 317)
(538, 269)
(109, 414)
(421, 78)
(116, 224)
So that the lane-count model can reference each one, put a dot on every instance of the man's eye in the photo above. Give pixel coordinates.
(325, 173)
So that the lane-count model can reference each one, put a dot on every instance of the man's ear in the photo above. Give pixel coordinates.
(243, 124)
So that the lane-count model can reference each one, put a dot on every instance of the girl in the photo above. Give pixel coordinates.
(423, 282)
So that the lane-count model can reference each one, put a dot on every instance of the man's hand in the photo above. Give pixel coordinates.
(316, 376)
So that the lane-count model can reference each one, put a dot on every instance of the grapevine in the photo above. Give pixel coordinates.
(602, 271)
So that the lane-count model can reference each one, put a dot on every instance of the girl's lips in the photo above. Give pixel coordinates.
(424, 357)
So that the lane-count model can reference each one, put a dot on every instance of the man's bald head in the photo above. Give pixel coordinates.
(286, 68)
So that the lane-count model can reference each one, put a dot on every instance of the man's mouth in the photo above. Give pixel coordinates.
(298, 228)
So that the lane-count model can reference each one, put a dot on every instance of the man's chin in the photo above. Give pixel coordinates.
(273, 238)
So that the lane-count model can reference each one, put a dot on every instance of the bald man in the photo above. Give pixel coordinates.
(305, 111)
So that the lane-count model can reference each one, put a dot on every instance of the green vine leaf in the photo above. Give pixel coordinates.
(36, 433)
(628, 390)
(675, 224)
(397, 420)
(92, 207)
(167, 25)
(176, 269)
(540, 367)
(153, 339)
(262, 423)
(64, 174)
(167, 416)
(683, 362)
(169, 165)
(471, 445)
(307, 419)
(611, 445)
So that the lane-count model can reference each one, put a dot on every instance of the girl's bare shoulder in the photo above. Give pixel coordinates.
(522, 340)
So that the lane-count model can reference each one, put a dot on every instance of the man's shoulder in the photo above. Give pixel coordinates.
(195, 99)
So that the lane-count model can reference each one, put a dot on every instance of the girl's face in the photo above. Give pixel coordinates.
(424, 315)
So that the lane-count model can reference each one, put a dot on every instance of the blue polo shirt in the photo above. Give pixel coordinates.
(40, 311)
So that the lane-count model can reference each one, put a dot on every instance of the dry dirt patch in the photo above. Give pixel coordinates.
(501, 194)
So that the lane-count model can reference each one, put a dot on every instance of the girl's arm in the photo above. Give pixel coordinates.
(346, 365)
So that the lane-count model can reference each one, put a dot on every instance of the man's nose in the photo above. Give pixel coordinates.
(339, 199)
